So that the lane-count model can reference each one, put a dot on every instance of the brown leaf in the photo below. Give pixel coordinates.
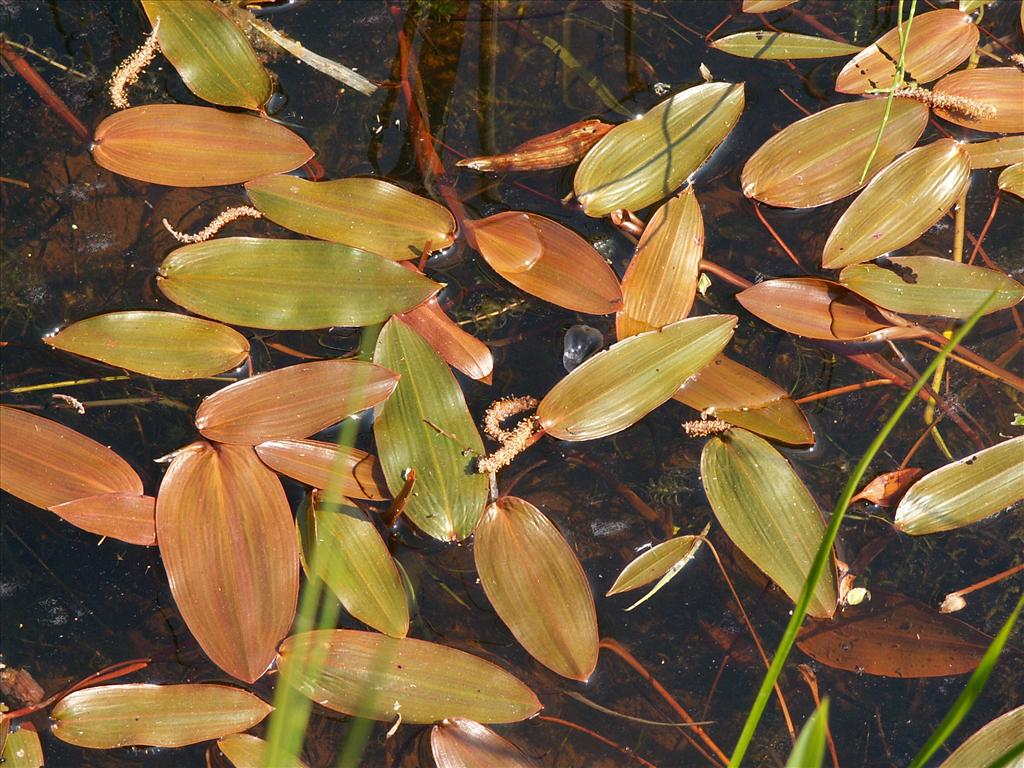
(461, 743)
(886, 489)
(125, 516)
(459, 349)
(358, 475)
(552, 150)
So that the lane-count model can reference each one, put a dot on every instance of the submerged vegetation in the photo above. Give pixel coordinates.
(465, 354)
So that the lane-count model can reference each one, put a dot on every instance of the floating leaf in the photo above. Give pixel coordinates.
(247, 751)
(186, 146)
(138, 714)
(998, 87)
(370, 675)
(775, 46)
(537, 586)
(161, 344)
(124, 516)
(900, 204)
(765, 6)
(552, 150)
(939, 41)
(426, 426)
(228, 545)
(988, 743)
(821, 309)
(809, 749)
(767, 512)
(642, 161)
(46, 464)
(658, 563)
(370, 214)
(820, 159)
(1012, 180)
(459, 349)
(965, 491)
(995, 153)
(745, 398)
(929, 285)
(894, 636)
(661, 279)
(351, 472)
(356, 565)
(547, 260)
(289, 284)
(293, 402)
(619, 386)
(210, 53)
(461, 743)
(886, 489)
(23, 750)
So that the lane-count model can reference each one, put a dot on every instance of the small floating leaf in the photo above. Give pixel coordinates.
(186, 146)
(370, 214)
(668, 557)
(991, 741)
(23, 750)
(370, 675)
(137, 714)
(774, 46)
(461, 743)
(619, 386)
(459, 349)
(765, 6)
(1012, 180)
(886, 489)
(289, 284)
(161, 344)
(537, 586)
(995, 153)
(939, 41)
(552, 150)
(965, 491)
(124, 516)
(293, 402)
(642, 161)
(900, 204)
(247, 751)
(768, 513)
(998, 87)
(352, 472)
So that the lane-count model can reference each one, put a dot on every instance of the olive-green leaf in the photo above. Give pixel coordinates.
(426, 426)
(616, 388)
(990, 742)
(23, 750)
(767, 512)
(964, 491)
(247, 751)
(642, 161)
(996, 153)
(369, 214)
(820, 158)
(370, 675)
(655, 562)
(929, 285)
(537, 586)
(763, 44)
(210, 53)
(137, 714)
(161, 344)
(900, 204)
(809, 750)
(289, 284)
(1012, 179)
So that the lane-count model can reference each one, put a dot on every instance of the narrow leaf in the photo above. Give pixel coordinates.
(989, 742)
(775, 46)
(1012, 180)
(995, 153)
(552, 150)
(247, 751)
(459, 349)
(662, 562)
(765, 6)
(461, 743)
(125, 516)
(995, 87)
(354, 473)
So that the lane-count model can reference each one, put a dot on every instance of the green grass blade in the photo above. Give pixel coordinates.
(1007, 758)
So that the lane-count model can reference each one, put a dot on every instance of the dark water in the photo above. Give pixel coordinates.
(79, 241)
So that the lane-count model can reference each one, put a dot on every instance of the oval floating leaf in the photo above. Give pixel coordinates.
(965, 491)
(939, 41)
(426, 426)
(186, 146)
(351, 472)
(293, 402)
(995, 153)
(767, 512)
(46, 464)
(370, 214)
(661, 279)
(547, 260)
(666, 558)
(820, 159)
(22, 749)
(995, 87)
(289, 284)
(247, 751)
(228, 545)
(929, 285)
(765, 6)
(124, 516)
(642, 161)
(617, 387)
(461, 743)
(988, 743)
(894, 636)
(900, 204)
(1012, 180)
(459, 349)
(552, 150)
(370, 675)
(137, 714)
(776, 46)
(537, 586)
(210, 53)
(161, 344)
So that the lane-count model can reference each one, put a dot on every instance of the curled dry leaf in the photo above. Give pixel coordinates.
(887, 489)
(552, 150)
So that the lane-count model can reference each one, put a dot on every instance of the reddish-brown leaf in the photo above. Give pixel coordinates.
(461, 743)
(552, 150)
(349, 471)
(998, 87)
(886, 489)
(459, 349)
(125, 516)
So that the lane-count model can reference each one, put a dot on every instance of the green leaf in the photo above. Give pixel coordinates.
(662, 562)
(366, 674)
(426, 426)
(989, 742)
(369, 214)
(210, 53)
(996, 153)
(617, 387)
(762, 44)
(161, 344)
(809, 750)
(23, 750)
(767, 512)
(929, 285)
(1012, 179)
(289, 284)
(965, 491)
(642, 161)
(246, 751)
(136, 714)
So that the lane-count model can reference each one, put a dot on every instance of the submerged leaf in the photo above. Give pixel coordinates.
(552, 150)
(351, 472)
(461, 743)
(996, 87)
(772, 46)
(247, 751)
(125, 516)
